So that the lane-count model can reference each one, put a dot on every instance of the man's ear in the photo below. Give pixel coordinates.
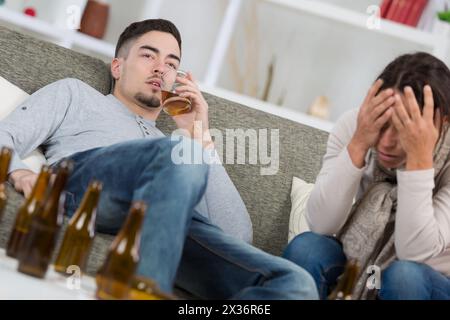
(116, 68)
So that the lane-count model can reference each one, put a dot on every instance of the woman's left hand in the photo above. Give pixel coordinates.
(418, 133)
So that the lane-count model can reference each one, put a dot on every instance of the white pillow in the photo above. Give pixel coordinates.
(299, 197)
(10, 97)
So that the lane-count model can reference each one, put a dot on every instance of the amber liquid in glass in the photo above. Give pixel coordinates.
(173, 104)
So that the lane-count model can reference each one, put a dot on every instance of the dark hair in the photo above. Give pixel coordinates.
(417, 70)
(137, 29)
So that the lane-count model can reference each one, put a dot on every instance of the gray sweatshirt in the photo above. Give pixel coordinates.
(422, 226)
(69, 116)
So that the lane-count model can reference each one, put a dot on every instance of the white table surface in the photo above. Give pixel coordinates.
(18, 286)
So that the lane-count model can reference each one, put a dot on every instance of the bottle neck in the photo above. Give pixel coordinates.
(131, 231)
(54, 199)
(86, 212)
(5, 159)
(38, 192)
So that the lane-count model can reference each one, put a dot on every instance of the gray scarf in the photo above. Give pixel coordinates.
(368, 234)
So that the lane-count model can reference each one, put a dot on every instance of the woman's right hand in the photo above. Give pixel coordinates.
(374, 113)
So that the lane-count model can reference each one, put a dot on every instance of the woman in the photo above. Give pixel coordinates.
(392, 157)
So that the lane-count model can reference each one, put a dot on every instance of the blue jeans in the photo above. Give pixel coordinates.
(178, 245)
(406, 280)
(321, 256)
(324, 258)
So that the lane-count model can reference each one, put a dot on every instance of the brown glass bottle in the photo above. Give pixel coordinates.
(5, 159)
(26, 212)
(40, 241)
(146, 289)
(347, 282)
(80, 232)
(116, 274)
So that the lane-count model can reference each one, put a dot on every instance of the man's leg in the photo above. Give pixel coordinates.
(323, 257)
(406, 280)
(217, 266)
(143, 170)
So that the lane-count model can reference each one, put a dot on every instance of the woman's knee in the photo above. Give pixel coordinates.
(403, 279)
(311, 248)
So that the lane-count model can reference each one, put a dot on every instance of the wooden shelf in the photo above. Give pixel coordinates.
(282, 112)
(359, 20)
(64, 37)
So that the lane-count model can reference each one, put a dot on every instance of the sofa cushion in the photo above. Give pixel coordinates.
(300, 194)
(12, 96)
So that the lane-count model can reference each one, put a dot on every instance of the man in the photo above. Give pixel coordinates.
(114, 139)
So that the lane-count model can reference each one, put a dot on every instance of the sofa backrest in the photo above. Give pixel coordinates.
(267, 198)
(31, 64)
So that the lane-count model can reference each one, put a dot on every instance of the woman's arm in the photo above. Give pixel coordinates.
(337, 183)
(422, 228)
(345, 161)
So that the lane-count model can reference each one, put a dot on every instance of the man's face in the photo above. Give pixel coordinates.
(151, 65)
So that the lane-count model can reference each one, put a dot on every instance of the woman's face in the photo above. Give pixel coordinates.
(390, 152)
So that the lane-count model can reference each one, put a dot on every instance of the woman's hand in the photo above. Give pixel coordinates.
(374, 113)
(418, 133)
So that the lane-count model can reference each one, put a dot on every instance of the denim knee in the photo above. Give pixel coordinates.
(403, 279)
(306, 287)
(194, 174)
(311, 248)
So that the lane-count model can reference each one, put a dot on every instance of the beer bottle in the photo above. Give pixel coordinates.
(347, 282)
(146, 289)
(5, 159)
(26, 212)
(80, 232)
(115, 276)
(40, 240)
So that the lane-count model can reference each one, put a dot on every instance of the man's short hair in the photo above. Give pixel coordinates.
(137, 29)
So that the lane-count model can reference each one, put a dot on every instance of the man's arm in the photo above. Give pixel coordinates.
(31, 124)
(221, 203)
